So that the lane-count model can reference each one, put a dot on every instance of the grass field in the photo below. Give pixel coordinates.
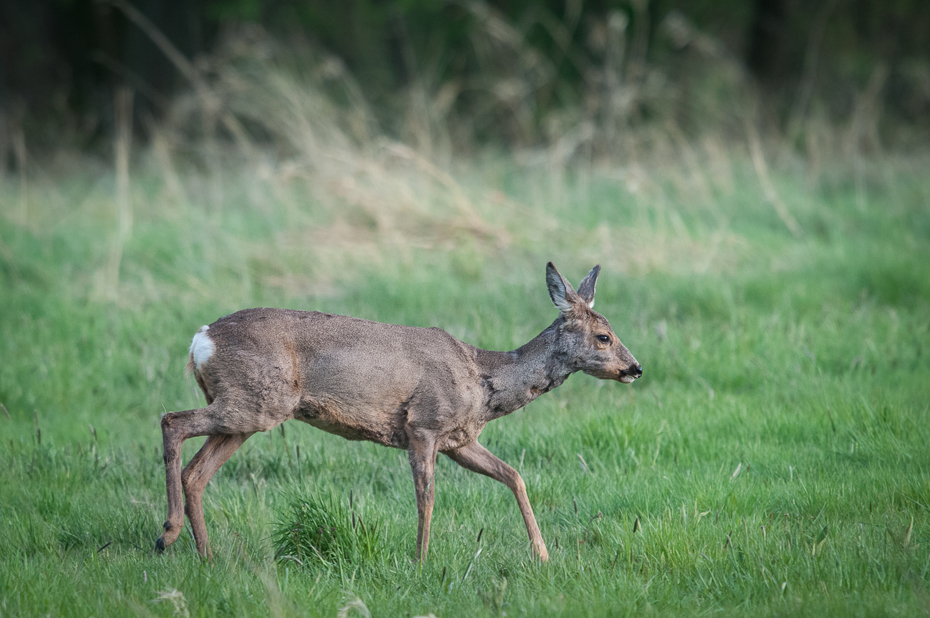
(772, 460)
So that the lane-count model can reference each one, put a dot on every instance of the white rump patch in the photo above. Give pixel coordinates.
(202, 347)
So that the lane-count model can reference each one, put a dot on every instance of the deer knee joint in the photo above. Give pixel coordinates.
(189, 479)
(168, 430)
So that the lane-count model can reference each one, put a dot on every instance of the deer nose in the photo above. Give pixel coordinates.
(635, 371)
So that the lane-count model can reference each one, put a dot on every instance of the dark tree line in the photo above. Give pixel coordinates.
(61, 59)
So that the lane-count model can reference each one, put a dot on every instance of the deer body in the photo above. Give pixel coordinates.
(418, 389)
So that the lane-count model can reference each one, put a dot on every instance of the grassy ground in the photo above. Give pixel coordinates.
(773, 459)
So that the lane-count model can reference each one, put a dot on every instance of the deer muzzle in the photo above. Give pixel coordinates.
(631, 373)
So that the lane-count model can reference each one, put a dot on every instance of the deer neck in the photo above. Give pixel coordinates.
(514, 379)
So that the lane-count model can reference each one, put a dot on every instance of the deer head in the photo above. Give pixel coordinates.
(586, 336)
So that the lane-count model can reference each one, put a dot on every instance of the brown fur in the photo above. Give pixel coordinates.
(418, 389)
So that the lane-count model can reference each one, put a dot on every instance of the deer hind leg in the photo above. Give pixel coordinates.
(478, 459)
(176, 427)
(212, 455)
(422, 453)
(221, 421)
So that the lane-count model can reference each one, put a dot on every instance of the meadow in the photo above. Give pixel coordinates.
(772, 460)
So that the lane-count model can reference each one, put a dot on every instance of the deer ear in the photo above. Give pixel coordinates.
(586, 289)
(560, 290)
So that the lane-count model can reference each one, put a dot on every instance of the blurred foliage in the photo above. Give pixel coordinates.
(523, 72)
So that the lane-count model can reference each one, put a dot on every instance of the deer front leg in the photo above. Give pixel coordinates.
(212, 455)
(478, 459)
(422, 453)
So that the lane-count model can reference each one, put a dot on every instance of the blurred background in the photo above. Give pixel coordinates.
(456, 75)
(341, 133)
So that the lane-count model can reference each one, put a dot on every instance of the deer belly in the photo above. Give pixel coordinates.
(335, 416)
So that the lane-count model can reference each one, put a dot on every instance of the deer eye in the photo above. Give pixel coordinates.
(603, 338)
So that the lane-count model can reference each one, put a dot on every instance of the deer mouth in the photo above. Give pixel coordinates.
(630, 373)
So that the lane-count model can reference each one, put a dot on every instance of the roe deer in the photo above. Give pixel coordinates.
(412, 388)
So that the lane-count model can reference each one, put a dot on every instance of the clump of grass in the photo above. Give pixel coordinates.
(313, 529)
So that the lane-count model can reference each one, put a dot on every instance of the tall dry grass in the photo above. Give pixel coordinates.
(281, 132)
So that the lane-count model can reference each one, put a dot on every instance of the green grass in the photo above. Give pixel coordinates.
(773, 460)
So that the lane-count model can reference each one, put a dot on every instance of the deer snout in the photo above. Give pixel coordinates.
(631, 373)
